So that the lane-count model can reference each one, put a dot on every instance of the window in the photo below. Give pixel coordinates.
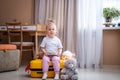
(111, 3)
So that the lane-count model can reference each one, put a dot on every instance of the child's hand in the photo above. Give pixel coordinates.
(59, 55)
(45, 53)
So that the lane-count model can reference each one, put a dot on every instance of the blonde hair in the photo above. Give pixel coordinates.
(51, 22)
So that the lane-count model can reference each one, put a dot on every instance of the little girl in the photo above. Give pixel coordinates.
(52, 48)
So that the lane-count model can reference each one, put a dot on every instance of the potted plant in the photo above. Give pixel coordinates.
(110, 13)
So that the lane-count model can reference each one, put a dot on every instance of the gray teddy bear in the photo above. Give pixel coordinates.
(70, 71)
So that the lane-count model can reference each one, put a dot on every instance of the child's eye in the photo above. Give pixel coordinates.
(49, 29)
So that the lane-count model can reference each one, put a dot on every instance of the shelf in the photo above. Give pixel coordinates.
(24, 28)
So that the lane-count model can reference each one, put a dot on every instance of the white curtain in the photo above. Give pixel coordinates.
(89, 24)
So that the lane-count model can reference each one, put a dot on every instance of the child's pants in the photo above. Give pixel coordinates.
(55, 60)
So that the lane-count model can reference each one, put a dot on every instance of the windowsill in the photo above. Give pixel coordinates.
(111, 28)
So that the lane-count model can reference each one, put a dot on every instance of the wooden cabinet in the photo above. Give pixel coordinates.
(111, 46)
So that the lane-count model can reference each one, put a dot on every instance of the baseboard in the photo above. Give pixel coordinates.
(111, 66)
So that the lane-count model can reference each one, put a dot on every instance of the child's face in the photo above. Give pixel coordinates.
(51, 30)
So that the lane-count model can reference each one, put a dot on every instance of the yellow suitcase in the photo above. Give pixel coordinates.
(36, 68)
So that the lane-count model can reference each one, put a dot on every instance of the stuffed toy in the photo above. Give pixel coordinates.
(70, 71)
(68, 55)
